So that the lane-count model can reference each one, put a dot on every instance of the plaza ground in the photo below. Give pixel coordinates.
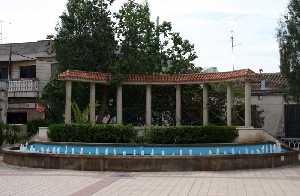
(37, 182)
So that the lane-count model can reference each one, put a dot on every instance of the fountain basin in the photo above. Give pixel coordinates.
(118, 157)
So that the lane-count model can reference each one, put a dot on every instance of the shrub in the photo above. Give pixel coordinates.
(9, 134)
(92, 134)
(190, 134)
(33, 126)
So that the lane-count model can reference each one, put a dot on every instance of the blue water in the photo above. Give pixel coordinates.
(153, 150)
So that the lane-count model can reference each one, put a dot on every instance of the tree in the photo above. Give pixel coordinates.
(85, 40)
(150, 47)
(289, 45)
(85, 37)
(146, 47)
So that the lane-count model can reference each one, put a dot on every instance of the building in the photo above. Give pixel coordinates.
(269, 99)
(25, 69)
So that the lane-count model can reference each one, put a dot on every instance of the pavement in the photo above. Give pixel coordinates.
(38, 182)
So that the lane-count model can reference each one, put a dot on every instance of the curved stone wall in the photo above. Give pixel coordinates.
(149, 163)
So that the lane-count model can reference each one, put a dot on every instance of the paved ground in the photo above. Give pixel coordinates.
(27, 181)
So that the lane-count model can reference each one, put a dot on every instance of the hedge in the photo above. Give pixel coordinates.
(92, 134)
(190, 134)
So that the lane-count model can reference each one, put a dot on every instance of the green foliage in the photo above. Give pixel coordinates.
(9, 134)
(288, 36)
(33, 126)
(85, 38)
(92, 134)
(147, 47)
(191, 134)
(80, 116)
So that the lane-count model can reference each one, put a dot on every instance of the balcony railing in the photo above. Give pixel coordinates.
(21, 88)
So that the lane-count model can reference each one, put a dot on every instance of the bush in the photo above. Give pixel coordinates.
(33, 126)
(9, 134)
(190, 134)
(92, 134)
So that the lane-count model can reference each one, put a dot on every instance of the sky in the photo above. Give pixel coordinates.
(205, 23)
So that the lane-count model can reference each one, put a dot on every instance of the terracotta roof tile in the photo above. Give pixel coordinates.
(158, 78)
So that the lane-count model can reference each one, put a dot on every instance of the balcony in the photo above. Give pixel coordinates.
(21, 88)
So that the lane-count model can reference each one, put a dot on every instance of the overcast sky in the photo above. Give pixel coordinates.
(205, 23)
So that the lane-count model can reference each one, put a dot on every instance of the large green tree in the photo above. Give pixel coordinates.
(289, 44)
(85, 38)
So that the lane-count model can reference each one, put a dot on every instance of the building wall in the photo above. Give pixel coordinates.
(272, 107)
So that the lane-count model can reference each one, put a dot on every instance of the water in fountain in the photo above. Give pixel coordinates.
(142, 152)
(58, 150)
(66, 150)
(81, 150)
(115, 152)
(232, 151)
(48, 150)
(247, 151)
(124, 153)
(54, 150)
(97, 151)
(225, 152)
(134, 152)
(73, 151)
(152, 152)
(180, 152)
(210, 152)
(90, 153)
(106, 151)
(252, 151)
(190, 152)
(163, 153)
(218, 151)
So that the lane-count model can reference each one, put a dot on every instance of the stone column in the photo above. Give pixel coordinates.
(178, 104)
(148, 106)
(229, 104)
(247, 104)
(68, 109)
(92, 103)
(119, 105)
(205, 102)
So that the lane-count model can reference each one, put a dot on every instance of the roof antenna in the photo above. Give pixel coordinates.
(233, 45)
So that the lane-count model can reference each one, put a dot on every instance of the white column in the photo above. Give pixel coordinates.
(247, 104)
(148, 106)
(68, 109)
(205, 102)
(92, 103)
(229, 104)
(119, 105)
(178, 104)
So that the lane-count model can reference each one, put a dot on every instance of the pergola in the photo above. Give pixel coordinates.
(245, 76)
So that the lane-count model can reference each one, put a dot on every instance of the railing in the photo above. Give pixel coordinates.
(20, 88)
(293, 143)
(23, 86)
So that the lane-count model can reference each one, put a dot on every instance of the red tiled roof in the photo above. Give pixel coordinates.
(159, 78)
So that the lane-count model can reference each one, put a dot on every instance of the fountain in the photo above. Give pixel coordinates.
(124, 153)
(218, 151)
(81, 151)
(190, 152)
(180, 152)
(142, 152)
(134, 152)
(115, 152)
(73, 151)
(163, 153)
(97, 151)
(152, 152)
(106, 151)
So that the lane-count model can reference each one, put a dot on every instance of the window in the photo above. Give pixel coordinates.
(54, 70)
(3, 73)
(28, 72)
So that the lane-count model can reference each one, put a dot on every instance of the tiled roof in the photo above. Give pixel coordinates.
(159, 78)
(273, 81)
